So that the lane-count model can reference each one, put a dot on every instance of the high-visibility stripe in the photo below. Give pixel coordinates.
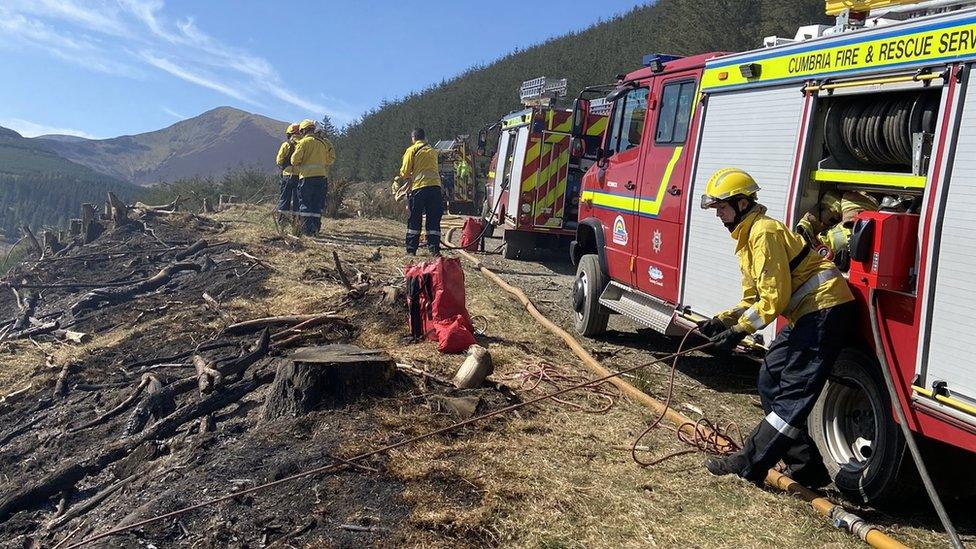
(413, 231)
(612, 201)
(433, 233)
(752, 317)
(898, 180)
(653, 207)
(810, 286)
(598, 127)
(533, 152)
(308, 214)
(781, 425)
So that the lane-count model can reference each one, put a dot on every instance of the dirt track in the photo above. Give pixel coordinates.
(549, 476)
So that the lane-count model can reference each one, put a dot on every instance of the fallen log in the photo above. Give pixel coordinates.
(36, 330)
(172, 206)
(259, 323)
(207, 378)
(73, 470)
(88, 504)
(192, 250)
(142, 364)
(122, 406)
(109, 296)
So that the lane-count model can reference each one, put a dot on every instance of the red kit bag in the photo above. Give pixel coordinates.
(453, 336)
(471, 233)
(435, 293)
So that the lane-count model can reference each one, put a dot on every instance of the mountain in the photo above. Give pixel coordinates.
(39, 187)
(206, 145)
(370, 149)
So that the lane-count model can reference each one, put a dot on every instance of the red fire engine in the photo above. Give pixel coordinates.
(533, 181)
(878, 105)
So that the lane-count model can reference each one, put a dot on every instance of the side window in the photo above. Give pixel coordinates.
(675, 113)
(509, 159)
(627, 120)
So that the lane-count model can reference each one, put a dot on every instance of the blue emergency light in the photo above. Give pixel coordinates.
(656, 61)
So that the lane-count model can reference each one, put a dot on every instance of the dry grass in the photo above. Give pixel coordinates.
(546, 477)
(549, 476)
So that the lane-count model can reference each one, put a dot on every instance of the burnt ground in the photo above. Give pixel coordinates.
(547, 476)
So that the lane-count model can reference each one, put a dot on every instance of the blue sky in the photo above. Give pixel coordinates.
(102, 68)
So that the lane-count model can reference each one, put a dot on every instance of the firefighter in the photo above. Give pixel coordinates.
(780, 277)
(424, 198)
(312, 158)
(832, 243)
(826, 214)
(288, 189)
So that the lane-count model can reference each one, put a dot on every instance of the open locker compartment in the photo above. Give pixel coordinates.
(870, 148)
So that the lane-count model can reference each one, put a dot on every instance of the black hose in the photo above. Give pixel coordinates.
(923, 471)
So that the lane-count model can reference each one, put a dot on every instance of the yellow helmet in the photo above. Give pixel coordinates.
(292, 128)
(306, 124)
(727, 183)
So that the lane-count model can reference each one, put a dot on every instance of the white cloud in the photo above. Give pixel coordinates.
(194, 78)
(117, 36)
(173, 113)
(34, 129)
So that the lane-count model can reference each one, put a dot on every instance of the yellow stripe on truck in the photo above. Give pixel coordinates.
(921, 45)
(653, 207)
(597, 127)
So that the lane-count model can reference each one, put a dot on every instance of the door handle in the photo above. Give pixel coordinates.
(630, 186)
(674, 190)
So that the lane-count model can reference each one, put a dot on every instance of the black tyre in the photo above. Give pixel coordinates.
(591, 317)
(861, 444)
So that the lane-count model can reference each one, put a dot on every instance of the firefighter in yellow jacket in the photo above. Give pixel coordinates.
(288, 189)
(311, 160)
(424, 198)
(780, 276)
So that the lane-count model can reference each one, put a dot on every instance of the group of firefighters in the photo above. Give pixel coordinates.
(784, 273)
(305, 158)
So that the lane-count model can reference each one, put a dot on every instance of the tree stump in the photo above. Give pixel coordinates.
(327, 376)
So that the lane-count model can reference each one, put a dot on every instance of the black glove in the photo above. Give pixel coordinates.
(727, 340)
(711, 327)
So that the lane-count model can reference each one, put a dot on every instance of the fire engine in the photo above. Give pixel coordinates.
(534, 177)
(462, 191)
(884, 104)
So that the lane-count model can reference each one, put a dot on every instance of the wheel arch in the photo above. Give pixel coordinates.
(590, 240)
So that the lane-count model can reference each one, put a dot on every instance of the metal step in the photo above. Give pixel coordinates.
(640, 307)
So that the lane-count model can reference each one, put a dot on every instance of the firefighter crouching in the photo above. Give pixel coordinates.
(781, 276)
(424, 198)
(311, 160)
(830, 232)
(288, 189)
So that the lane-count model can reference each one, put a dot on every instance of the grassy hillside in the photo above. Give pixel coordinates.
(38, 187)
(207, 145)
(370, 150)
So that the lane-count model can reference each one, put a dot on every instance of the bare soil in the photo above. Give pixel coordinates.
(550, 475)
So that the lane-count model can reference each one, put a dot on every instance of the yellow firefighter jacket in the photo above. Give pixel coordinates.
(283, 160)
(420, 166)
(312, 157)
(765, 248)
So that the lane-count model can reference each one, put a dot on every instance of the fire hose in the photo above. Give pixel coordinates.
(837, 514)
(839, 517)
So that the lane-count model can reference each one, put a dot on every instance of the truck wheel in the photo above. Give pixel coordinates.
(591, 317)
(862, 446)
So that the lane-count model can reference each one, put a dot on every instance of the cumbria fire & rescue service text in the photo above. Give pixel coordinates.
(903, 49)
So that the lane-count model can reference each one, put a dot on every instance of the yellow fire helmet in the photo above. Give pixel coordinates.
(727, 183)
(292, 129)
(830, 208)
(306, 124)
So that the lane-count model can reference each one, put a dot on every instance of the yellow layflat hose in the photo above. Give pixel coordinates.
(840, 517)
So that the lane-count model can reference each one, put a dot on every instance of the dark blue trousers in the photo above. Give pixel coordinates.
(791, 378)
(311, 201)
(288, 195)
(426, 201)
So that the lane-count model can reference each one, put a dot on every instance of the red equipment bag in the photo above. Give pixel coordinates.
(471, 233)
(453, 336)
(435, 294)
